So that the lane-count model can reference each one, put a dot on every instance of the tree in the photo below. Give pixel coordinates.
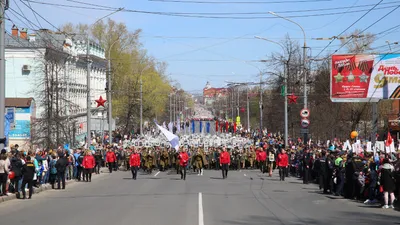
(356, 42)
(131, 65)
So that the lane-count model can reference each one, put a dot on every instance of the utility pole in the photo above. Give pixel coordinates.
(248, 109)
(232, 97)
(89, 102)
(170, 107)
(304, 65)
(285, 75)
(109, 86)
(261, 103)
(2, 72)
(305, 85)
(141, 105)
(238, 102)
(109, 114)
(286, 67)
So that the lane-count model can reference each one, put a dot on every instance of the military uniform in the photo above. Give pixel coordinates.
(150, 162)
(164, 160)
(252, 157)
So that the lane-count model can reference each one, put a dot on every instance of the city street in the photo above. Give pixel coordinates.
(246, 197)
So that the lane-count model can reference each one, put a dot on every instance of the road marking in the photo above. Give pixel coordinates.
(156, 173)
(245, 175)
(201, 216)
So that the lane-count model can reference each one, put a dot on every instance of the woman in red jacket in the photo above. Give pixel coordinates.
(88, 165)
(282, 163)
(134, 162)
(262, 157)
(110, 159)
(224, 161)
(183, 162)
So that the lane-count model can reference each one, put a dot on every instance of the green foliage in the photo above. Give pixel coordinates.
(130, 64)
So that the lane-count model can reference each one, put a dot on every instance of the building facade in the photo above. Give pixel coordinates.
(210, 94)
(52, 69)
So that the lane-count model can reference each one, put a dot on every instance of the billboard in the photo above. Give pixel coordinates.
(364, 78)
(22, 128)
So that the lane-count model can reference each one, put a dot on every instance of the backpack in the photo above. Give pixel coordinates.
(53, 169)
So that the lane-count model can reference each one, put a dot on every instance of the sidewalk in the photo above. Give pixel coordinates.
(45, 187)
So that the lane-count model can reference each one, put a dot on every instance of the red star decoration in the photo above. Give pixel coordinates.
(100, 102)
(292, 98)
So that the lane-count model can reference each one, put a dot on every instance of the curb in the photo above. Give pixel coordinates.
(43, 187)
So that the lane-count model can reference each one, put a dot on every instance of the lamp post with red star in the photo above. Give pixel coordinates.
(100, 102)
(292, 98)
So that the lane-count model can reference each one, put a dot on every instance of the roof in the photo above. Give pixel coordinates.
(19, 102)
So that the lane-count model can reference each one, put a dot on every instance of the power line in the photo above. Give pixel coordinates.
(55, 27)
(367, 28)
(91, 4)
(196, 15)
(30, 22)
(348, 28)
(34, 14)
(240, 2)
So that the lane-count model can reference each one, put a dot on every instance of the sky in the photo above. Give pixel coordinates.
(200, 49)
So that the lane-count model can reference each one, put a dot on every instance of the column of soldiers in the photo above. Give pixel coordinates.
(164, 158)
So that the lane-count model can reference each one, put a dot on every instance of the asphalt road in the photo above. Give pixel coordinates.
(245, 198)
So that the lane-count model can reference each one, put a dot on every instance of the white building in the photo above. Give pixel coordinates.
(26, 60)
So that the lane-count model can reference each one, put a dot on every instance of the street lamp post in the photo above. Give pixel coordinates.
(109, 86)
(285, 75)
(89, 65)
(141, 99)
(304, 64)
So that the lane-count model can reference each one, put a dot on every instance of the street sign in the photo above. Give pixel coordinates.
(304, 131)
(304, 113)
(305, 123)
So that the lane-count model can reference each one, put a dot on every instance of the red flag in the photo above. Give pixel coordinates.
(216, 126)
(234, 127)
(389, 139)
(227, 127)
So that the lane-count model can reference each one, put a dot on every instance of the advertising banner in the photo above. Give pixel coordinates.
(365, 78)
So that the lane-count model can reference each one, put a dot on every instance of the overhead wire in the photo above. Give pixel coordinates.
(34, 14)
(377, 21)
(351, 25)
(55, 27)
(240, 2)
(196, 15)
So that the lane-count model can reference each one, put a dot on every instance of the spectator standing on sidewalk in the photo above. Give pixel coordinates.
(28, 172)
(16, 167)
(388, 184)
(61, 166)
(70, 167)
(53, 170)
(3, 174)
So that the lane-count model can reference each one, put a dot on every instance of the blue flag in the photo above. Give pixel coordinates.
(201, 126)
(193, 129)
(208, 127)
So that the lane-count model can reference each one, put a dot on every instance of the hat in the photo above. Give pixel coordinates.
(3, 151)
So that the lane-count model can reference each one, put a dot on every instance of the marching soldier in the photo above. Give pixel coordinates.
(150, 161)
(252, 158)
(164, 160)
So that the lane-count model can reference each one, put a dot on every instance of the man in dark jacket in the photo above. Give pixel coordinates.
(61, 166)
(16, 167)
(306, 166)
(28, 171)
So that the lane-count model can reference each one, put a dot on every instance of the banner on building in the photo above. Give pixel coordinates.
(364, 78)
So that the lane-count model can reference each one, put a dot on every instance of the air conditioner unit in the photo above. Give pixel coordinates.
(26, 68)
